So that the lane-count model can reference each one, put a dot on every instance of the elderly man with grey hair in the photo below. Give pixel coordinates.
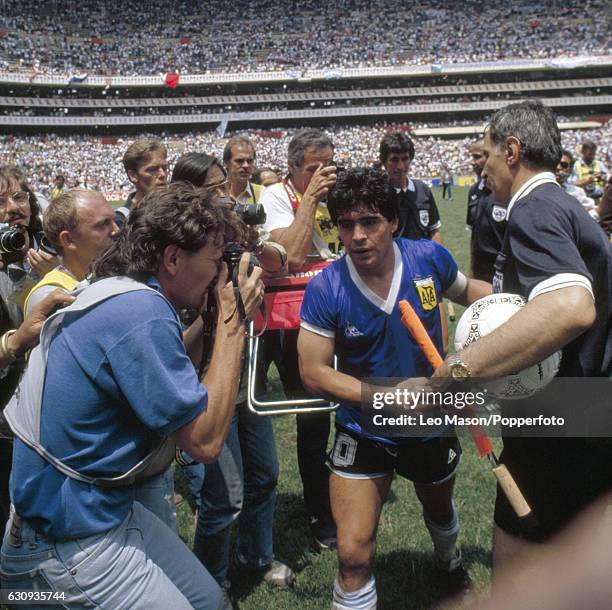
(559, 260)
(297, 218)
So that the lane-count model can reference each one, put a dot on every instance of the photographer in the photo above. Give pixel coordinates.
(132, 390)
(20, 228)
(241, 485)
(298, 218)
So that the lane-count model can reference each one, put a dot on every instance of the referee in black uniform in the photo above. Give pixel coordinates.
(419, 216)
(418, 213)
(486, 219)
(558, 259)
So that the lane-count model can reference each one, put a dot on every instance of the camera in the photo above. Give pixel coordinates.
(44, 245)
(12, 242)
(12, 239)
(231, 257)
(251, 213)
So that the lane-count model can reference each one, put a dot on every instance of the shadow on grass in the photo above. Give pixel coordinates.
(405, 578)
(409, 579)
(293, 544)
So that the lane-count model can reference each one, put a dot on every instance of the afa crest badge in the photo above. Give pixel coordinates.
(426, 290)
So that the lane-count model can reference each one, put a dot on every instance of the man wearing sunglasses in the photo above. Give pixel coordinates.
(563, 175)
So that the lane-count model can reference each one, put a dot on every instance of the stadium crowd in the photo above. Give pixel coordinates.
(237, 38)
(92, 162)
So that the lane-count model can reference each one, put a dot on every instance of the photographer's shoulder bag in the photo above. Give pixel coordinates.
(23, 412)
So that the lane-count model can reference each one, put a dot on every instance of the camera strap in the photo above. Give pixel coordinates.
(208, 322)
(290, 190)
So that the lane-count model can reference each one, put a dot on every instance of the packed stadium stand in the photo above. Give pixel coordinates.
(77, 83)
(85, 35)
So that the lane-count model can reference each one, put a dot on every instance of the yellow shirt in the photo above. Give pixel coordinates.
(59, 277)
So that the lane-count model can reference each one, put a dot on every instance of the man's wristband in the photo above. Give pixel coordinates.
(5, 350)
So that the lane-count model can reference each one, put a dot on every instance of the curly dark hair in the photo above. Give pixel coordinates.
(362, 187)
(181, 215)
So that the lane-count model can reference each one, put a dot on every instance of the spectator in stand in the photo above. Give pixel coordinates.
(357, 146)
(563, 174)
(362, 37)
(146, 165)
(590, 174)
(58, 186)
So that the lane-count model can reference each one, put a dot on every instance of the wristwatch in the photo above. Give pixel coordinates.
(460, 371)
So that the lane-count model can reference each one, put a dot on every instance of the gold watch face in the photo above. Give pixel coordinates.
(459, 371)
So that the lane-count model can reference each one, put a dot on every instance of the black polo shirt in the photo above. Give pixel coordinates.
(551, 242)
(487, 220)
(418, 212)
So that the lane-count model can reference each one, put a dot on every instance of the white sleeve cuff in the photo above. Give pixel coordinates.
(323, 332)
(457, 287)
(561, 280)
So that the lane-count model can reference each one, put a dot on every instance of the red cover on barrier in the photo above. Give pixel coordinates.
(284, 297)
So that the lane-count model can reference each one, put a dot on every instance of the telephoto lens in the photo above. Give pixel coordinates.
(251, 214)
(12, 239)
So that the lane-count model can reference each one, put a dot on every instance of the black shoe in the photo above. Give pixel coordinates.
(455, 579)
(324, 534)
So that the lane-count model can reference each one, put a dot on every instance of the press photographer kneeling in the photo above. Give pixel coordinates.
(133, 392)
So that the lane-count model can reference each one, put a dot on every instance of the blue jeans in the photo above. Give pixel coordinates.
(139, 564)
(157, 494)
(194, 474)
(240, 485)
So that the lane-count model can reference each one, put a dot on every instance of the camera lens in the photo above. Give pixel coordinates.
(12, 240)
